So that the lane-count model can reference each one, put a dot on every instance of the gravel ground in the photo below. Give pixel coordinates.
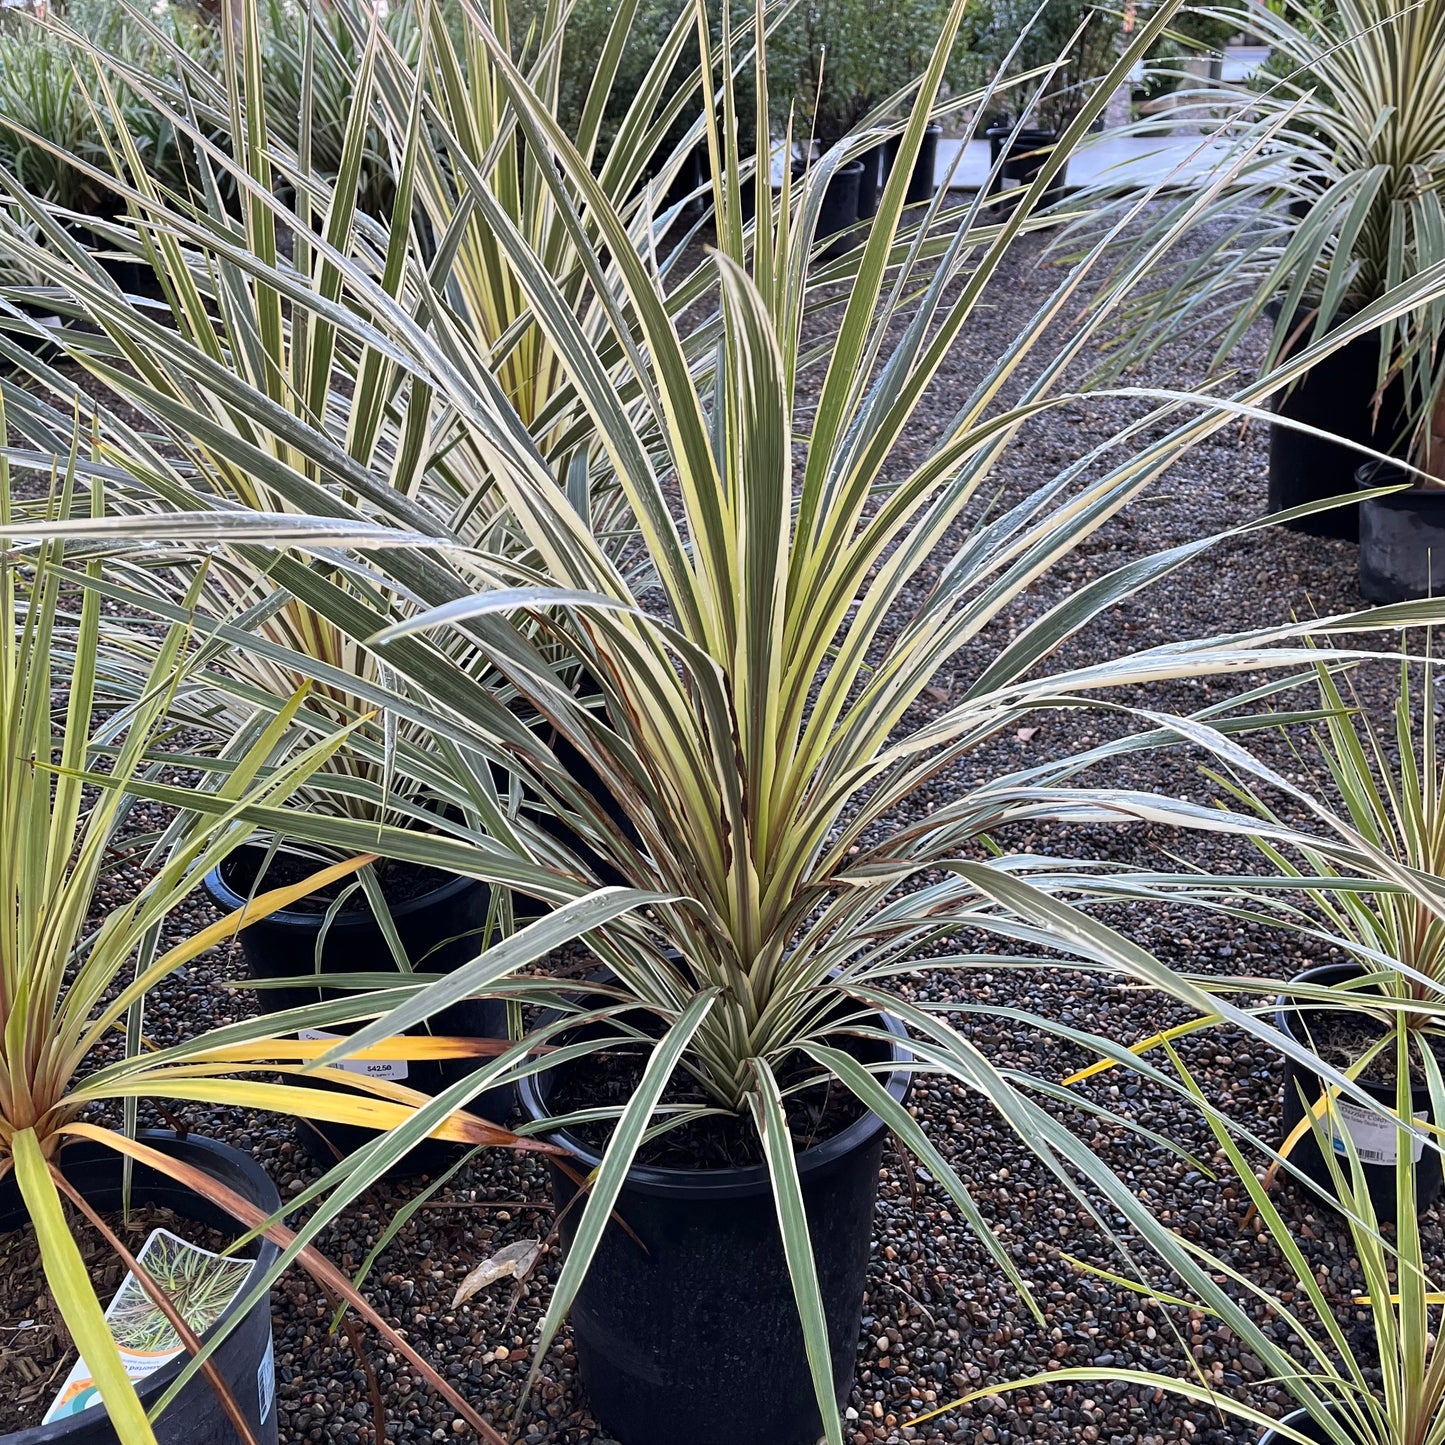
(937, 1319)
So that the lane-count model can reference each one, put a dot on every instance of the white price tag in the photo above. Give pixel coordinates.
(1373, 1135)
(393, 1069)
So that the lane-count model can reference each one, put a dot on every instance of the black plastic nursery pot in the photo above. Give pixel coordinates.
(441, 928)
(870, 183)
(245, 1358)
(839, 210)
(1336, 395)
(1374, 1139)
(1315, 183)
(1402, 537)
(585, 776)
(1302, 1421)
(685, 186)
(688, 180)
(921, 184)
(1024, 153)
(697, 1339)
(135, 278)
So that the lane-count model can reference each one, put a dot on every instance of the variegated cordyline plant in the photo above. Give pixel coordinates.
(79, 960)
(426, 109)
(1321, 185)
(1365, 879)
(1391, 1395)
(460, 173)
(758, 676)
(1391, 793)
(1355, 868)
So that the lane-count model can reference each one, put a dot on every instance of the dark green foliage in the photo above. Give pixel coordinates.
(838, 59)
(1048, 31)
(588, 27)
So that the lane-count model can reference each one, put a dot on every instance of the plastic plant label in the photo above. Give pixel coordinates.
(200, 1284)
(266, 1379)
(1373, 1135)
(393, 1069)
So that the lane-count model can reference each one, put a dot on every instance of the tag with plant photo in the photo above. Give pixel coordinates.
(198, 1283)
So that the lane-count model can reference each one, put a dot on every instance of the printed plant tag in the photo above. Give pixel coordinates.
(266, 1379)
(199, 1283)
(1373, 1135)
(393, 1069)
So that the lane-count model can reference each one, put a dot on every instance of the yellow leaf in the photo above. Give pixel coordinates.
(219, 932)
(399, 1046)
(262, 906)
(325, 1105)
(69, 1282)
(1143, 1047)
(1431, 1298)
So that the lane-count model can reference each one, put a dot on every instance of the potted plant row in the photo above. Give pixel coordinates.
(1072, 43)
(841, 63)
(1323, 207)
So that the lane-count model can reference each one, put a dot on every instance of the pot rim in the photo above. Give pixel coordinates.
(735, 1182)
(1284, 1016)
(1302, 311)
(1025, 135)
(153, 1386)
(225, 896)
(1296, 1417)
(1321, 973)
(848, 168)
(1365, 475)
(892, 142)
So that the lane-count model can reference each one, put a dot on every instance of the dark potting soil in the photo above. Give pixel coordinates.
(401, 882)
(36, 1351)
(1340, 1038)
(716, 1141)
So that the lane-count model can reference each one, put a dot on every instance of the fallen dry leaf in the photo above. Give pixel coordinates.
(1024, 734)
(514, 1261)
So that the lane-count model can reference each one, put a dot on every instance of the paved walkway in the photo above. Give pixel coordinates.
(1137, 160)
